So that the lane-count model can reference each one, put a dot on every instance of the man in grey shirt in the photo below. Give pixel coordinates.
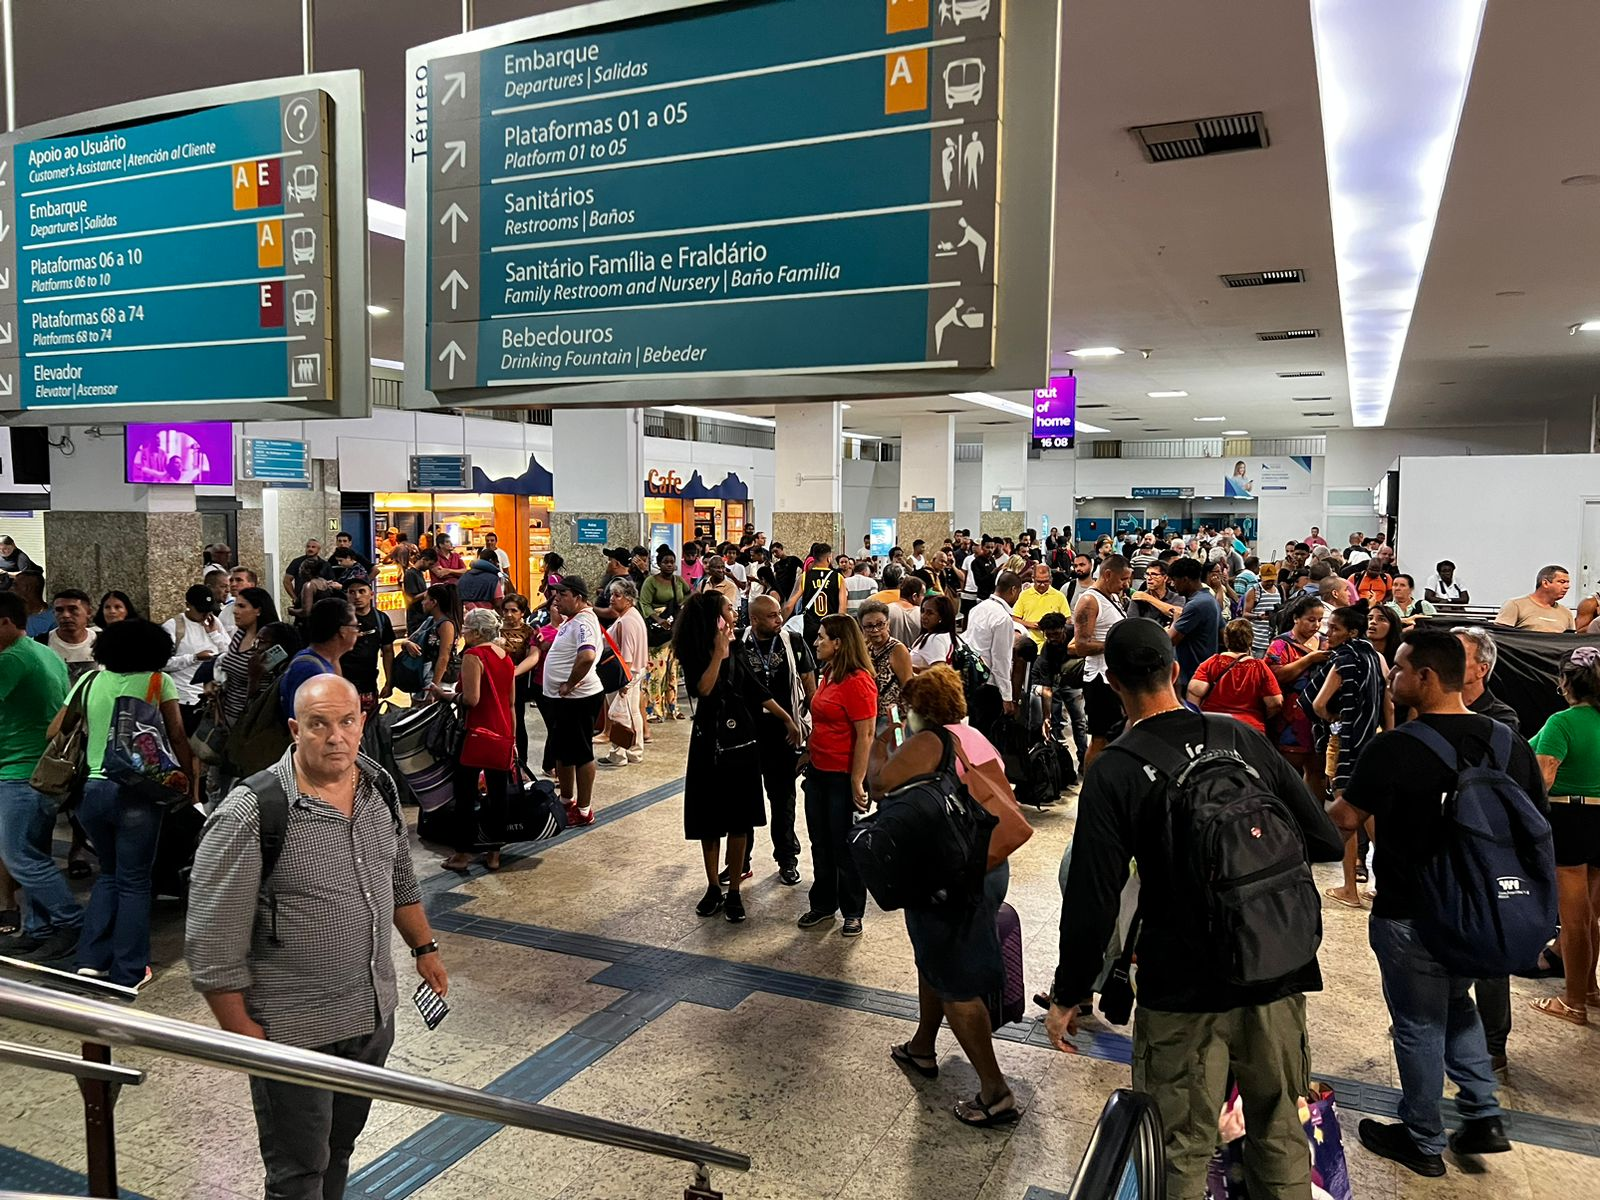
(303, 957)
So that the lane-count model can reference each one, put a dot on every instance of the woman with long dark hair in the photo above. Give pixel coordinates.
(844, 716)
(1354, 699)
(722, 795)
(521, 642)
(435, 639)
(1384, 632)
(1294, 657)
(253, 610)
(116, 606)
(660, 600)
(933, 647)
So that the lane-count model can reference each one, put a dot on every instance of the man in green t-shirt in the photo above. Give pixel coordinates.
(33, 686)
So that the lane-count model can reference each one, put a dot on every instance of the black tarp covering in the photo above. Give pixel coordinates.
(1525, 675)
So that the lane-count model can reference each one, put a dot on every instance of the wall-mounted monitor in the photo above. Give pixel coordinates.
(197, 452)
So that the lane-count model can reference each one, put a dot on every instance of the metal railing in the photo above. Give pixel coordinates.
(1125, 1159)
(102, 1025)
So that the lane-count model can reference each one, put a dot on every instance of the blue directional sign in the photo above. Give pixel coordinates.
(441, 473)
(159, 253)
(277, 460)
(779, 186)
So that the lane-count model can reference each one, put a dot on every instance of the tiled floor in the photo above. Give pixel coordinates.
(581, 978)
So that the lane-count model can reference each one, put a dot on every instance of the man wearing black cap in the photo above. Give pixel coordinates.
(574, 694)
(1194, 1024)
(617, 561)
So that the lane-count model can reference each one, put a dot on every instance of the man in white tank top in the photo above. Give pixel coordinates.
(1093, 616)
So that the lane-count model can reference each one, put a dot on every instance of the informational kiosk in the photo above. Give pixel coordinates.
(204, 252)
(676, 200)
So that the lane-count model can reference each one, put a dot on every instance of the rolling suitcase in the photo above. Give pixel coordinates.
(1010, 1002)
(426, 776)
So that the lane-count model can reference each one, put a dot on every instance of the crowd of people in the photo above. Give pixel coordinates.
(848, 677)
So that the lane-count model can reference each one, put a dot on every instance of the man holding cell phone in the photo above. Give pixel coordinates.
(300, 872)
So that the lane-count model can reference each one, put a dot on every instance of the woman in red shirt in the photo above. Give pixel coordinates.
(487, 686)
(844, 713)
(1234, 684)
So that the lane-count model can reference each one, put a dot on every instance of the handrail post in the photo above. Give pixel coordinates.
(99, 1124)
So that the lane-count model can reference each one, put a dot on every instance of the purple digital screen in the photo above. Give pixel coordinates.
(191, 453)
(1055, 412)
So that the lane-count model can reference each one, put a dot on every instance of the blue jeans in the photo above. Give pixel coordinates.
(116, 929)
(1436, 1030)
(27, 826)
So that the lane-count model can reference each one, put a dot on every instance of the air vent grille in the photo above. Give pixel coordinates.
(1318, 414)
(1107, 449)
(1264, 278)
(1287, 335)
(1197, 139)
(1311, 399)
(1124, 418)
(1301, 374)
(1082, 406)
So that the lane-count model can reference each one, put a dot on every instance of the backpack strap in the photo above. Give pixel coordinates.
(272, 822)
(1435, 741)
(1157, 752)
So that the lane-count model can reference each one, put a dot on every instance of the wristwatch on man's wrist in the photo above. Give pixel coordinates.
(425, 948)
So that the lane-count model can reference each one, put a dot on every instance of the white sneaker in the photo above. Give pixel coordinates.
(616, 758)
(635, 756)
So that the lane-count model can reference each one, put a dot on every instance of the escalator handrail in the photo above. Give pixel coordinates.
(1128, 1131)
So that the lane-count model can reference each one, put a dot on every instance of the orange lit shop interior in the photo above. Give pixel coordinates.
(522, 524)
(696, 510)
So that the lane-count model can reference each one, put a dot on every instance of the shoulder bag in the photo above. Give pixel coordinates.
(611, 667)
(65, 760)
(987, 784)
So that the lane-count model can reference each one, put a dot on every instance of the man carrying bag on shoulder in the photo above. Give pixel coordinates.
(1223, 967)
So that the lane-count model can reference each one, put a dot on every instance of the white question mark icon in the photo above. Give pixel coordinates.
(304, 114)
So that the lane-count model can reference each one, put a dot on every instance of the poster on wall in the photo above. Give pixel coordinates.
(664, 534)
(880, 536)
(1254, 478)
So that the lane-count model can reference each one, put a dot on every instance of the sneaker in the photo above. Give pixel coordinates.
(723, 877)
(144, 982)
(788, 875)
(1394, 1142)
(617, 758)
(59, 949)
(91, 973)
(1486, 1135)
(634, 756)
(1497, 1063)
(579, 817)
(813, 918)
(852, 927)
(733, 907)
(710, 902)
(19, 945)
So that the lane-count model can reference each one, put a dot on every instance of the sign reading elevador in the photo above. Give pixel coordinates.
(179, 250)
(774, 187)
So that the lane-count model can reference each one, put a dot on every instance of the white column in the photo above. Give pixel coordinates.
(597, 458)
(808, 494)
(1052, 479)
(1005, 469)
(928, 462)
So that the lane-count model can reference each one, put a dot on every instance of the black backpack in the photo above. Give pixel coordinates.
(272, 823)
(1238, 850)
(927, 844)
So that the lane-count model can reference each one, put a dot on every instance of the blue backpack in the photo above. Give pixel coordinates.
(1490, 893)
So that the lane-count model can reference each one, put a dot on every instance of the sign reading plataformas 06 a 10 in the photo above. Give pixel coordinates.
(184, 250)
(686, 192)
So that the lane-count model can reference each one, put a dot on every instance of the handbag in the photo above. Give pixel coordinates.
(620, 720)
(658, 635)
(139, 754)
(65, 761)
(611, 667)
(987, 784)
(209, 741)
(446, 733)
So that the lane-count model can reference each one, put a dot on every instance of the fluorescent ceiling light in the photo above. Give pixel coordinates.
(985, 400)
(1085, 427)
(1235, 433)
(393, 364)
(862, 437)
(1165, 395)
(377, 310)
(1095, 352)
(718, 414)
(1586, 327)
(1392, 80)
(386, 219)
(1211, 418)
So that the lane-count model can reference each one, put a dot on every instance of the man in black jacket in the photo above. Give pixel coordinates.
(1193, 1026)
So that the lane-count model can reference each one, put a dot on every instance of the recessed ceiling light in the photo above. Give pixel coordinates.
(1235, 433)
(1586, 327)
(1580, 181)
(386, 219)
(377, 310)
(390, 364)
(1165, 395)
(1211, 418)
(1511, 293)
(1392, 82)
(998, 403)
(1095, 352)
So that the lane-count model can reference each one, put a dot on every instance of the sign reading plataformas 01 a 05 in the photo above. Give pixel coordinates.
(682, 192)
(186, 250)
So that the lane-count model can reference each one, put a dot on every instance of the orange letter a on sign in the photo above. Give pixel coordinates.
(244, 185)
(905, 81)
(906, 15)
(269, 243)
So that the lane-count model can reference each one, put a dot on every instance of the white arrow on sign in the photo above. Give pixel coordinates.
(450, 355)
(454, 215)
(5, 384)
(4, 228)
(5, 333)
(2, 172)
(454, 283)
(5, 278)
(458, 87)
(457, 156)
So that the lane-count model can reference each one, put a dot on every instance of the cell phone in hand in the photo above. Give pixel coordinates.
(275, 657)
(430, 1004)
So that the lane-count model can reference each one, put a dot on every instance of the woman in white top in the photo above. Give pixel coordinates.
(197, 636)
(932, 649)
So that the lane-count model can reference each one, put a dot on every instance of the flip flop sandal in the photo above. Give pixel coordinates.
(902, 1055)
(990, 1116)
(1369, 895)
(10, 920)
(1332, 894)
(1555, 1006)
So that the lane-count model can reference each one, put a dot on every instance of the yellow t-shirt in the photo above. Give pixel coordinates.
(1527, 613)
(1033, 604)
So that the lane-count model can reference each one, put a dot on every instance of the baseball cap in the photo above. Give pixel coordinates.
(200, 599)
(574, 584)
(620, 555)
(1138, 647)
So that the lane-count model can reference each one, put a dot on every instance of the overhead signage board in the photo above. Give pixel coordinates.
(1162, 493)
(206, 249)
(440, 473)
(1055, 413)
(276, 460)
(671, 199)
